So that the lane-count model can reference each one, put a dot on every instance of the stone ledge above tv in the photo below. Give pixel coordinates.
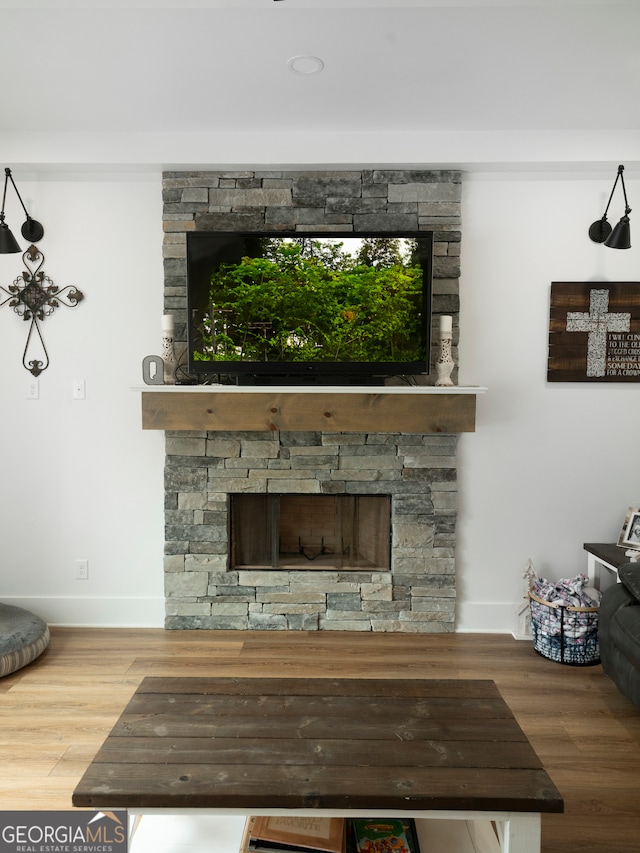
(425, 409)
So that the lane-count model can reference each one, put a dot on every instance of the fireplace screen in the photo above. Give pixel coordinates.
(311, 532)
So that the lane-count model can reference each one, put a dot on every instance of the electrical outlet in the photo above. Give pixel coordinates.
(82, 570)
(33, 389)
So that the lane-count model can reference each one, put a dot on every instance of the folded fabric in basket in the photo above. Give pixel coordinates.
(567, 592)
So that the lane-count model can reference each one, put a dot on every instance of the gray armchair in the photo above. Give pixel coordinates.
(619, 632)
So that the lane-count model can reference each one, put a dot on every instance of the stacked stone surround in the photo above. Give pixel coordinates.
(418, 471)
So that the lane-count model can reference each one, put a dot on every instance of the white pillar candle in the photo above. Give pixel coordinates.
(167, 323)
(446, 326)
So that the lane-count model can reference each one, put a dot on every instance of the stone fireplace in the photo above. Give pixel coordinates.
(208, 470)
(417, 592)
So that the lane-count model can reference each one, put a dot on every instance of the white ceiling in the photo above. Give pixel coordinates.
(506, 70)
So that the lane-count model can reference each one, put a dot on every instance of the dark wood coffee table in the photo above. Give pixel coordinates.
(423, 748)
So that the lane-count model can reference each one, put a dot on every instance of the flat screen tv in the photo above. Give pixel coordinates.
(294, 308)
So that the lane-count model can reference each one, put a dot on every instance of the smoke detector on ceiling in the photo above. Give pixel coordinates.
(305, 64)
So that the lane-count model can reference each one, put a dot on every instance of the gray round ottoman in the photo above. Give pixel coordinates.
(23, 636)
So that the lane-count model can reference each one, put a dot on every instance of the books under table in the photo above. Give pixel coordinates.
(308, 834)
(293, 834)
(381, 835)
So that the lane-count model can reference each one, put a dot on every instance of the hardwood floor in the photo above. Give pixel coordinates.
(55, 713)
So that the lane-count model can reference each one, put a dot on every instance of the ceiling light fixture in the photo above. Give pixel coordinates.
(31, 230)
(305, 64)
(600, 231)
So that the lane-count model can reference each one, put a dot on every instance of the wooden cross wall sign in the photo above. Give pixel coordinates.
(594, 332)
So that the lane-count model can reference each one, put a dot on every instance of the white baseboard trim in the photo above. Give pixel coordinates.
(94, 612)
(486, 617)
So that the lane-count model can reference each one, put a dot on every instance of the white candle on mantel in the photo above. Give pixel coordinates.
(167, 324)
(446, 326)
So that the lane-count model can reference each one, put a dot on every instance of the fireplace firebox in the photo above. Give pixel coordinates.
(315, 532)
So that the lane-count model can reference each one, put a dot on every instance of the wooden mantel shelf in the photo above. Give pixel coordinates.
(424, 409)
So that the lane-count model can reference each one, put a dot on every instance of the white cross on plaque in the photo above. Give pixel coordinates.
(597, 323)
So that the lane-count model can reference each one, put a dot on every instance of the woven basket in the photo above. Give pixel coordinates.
(565, 634)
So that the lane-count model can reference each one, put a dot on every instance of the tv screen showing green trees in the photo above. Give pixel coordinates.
(301, 299)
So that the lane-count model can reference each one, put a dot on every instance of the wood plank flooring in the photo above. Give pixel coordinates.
(56, 713)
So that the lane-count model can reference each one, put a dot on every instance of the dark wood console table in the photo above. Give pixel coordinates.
(604, 556)
(423, 748)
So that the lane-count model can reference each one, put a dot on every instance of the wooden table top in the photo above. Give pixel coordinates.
(607, 551)
(270, 743)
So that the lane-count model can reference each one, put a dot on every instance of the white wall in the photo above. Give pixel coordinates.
(550, 466)
(79, 477)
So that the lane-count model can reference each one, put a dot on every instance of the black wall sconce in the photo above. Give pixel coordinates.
(600, 231)
(33, 295)
(31, 230)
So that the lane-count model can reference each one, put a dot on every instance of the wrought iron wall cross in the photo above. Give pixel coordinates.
(34, 296)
